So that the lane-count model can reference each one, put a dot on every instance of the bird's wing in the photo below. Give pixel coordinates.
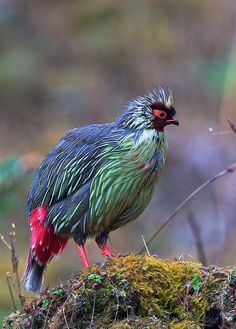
(94, 204)
(68, 166)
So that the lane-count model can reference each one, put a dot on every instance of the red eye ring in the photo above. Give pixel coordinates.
(160, 114)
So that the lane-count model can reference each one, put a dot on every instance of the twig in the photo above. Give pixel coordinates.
(45, 322)
(231, 168)
(10, 289)
(63, 310)
(4, 241)
(232, 125)
(15, 267)
(92, 318)
(12, 283)
(145, 245)
(117, 305)
(14, 257)
(197, 236)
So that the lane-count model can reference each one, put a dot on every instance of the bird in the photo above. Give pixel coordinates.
(96, 179)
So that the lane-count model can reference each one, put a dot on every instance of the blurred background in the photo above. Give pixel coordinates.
(65, 64)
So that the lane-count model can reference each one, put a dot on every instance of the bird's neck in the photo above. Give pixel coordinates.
(149, 136)
(149, 151)
(149, 141)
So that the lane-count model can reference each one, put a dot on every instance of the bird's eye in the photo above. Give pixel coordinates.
(160, 114)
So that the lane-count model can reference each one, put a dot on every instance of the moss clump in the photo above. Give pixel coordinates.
(160, 284)
(135, 292)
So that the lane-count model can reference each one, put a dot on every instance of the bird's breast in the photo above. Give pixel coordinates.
(150, 157)
(123, 182)
(152, 166)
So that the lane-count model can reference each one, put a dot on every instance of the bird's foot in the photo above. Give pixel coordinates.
(83, 256)
(105, 250)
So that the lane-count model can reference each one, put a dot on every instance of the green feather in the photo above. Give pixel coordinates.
(121, 189)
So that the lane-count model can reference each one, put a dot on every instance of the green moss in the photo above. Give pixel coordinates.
(161, 284)
(186, 324)
(132, 292)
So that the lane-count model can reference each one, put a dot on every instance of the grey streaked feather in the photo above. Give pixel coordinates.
(33, 276)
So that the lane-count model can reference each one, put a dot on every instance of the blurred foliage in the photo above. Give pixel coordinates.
(69, 63)
(14, 172)
(11, 173)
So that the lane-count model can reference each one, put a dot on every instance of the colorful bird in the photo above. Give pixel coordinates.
(96, 179)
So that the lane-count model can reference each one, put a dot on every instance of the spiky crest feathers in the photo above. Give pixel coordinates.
(138, 112)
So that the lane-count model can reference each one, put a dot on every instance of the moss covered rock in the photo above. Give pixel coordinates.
(136, 292)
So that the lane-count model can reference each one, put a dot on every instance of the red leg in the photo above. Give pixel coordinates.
(105, 250)
(83, 255)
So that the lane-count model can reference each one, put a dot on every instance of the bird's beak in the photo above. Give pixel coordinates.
(172, 122)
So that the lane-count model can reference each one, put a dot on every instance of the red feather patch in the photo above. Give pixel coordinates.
(44, 243)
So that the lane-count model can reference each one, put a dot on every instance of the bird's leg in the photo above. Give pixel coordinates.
(102, 244)
(83, 255)
(80, 241)
(105, 250)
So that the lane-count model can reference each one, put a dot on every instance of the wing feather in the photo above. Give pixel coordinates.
(68, 166)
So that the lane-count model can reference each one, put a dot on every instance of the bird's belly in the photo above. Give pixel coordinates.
(123, 200)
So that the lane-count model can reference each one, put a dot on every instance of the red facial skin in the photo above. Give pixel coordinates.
(160, 124)
(160, 119)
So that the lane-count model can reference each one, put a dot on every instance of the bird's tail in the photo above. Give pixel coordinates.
(44, 244)
(33, 275)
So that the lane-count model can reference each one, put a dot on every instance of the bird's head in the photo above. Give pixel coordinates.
(154, 110)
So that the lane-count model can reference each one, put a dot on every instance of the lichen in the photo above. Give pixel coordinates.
(135, 292)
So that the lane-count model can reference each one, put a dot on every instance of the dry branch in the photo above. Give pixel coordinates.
(232, 125)
(198, 240)
(230, 169)
(15, 268)
(8, 277)
(16, 283)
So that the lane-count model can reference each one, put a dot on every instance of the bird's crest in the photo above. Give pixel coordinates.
(157, 95)
(138, 112)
